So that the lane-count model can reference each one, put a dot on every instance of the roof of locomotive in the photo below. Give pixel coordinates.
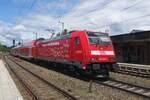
(88, 31)
(62, 36)
(68, 34)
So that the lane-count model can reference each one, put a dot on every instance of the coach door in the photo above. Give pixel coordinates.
(77, 49)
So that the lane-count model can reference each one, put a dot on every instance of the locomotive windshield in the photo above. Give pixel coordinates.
(98, 38)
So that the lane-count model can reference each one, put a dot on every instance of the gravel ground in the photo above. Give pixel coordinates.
(131, 79)
(41, 90)
(80, 87)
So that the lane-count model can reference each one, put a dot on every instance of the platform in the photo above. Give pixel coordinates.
(136, 65)
(8, 89)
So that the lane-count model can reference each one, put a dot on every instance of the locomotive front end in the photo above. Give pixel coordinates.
(101, 54)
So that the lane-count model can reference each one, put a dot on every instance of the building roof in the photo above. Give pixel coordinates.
(136, 36)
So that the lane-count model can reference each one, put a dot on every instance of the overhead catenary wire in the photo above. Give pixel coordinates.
(106, 5)
(124, 9)
(125, 21)
(133, 5)
(22, 7)
(33, 3)
(21, 11)
(29, 8)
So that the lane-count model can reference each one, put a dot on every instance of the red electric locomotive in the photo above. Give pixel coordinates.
(86, 51)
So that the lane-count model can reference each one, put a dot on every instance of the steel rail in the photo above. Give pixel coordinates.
(134, 89)
(131, 88)
(26, 87)
(66, 94)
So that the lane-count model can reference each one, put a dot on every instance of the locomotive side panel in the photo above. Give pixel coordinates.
(79, 49)
(58, 50)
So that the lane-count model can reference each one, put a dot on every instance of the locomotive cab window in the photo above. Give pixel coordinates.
(77, 40)
(98, 38)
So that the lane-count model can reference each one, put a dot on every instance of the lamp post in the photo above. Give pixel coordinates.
(22, 41)
(13, 42)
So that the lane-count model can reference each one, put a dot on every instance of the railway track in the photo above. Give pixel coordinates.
(37, 79)
(133, 69)
(134, 89)
(25, 86)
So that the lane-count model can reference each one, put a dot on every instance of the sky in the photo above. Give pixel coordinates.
(20, 19)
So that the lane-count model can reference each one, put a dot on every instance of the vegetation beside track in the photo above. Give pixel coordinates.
(4, 48)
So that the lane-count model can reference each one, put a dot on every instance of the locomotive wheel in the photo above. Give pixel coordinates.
(76, 70)
(80, 72)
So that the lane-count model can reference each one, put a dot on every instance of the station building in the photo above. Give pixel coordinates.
(133, 47)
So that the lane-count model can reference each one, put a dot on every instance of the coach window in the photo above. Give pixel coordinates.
(77, 40)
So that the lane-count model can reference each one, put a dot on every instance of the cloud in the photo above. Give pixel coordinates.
(19, 27)
(8, 32)
(109, 15)
(97, 15)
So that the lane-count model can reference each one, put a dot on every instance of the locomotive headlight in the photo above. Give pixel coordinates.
(93, 59)
(112, 59)
(102, 59)
(84, 67)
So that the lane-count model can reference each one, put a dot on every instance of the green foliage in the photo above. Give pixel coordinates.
(4, 48)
